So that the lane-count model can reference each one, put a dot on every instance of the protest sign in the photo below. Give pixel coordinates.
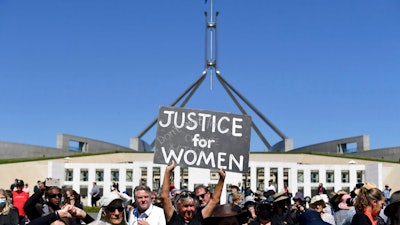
(201, 138)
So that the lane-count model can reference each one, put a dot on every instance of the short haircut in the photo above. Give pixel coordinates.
(201, 186)
(142, 188)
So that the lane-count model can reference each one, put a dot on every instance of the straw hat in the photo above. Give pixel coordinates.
(367, 185)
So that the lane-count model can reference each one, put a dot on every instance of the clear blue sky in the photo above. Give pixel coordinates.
(319, 70)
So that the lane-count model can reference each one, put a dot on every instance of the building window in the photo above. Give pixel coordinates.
(83, 191)
(314, 176)
(115, 175)
(143, 175)
(184, 177)
(129, 175)
(345, 176)
(69, 175)
(246, 178)
(156, 178)
(300, 176)
(260, 178)
(330, 176)
(360, 176)
(99, 175)
(84, 175)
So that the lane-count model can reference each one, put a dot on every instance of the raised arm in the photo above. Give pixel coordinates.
(167, 203)
(214, 201)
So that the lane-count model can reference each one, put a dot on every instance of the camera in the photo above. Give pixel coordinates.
(50, 182)
(350, 201)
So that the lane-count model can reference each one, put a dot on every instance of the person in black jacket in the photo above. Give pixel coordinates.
(36, 206)
(8, 214)
(65, 214)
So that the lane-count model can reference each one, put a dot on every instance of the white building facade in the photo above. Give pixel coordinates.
(299, 177)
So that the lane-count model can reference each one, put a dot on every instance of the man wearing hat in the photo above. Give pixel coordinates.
(112, 209)
(392, 211)
(19, 198)
(318, 204)
(298, 207)
(234, 189)
(280, 209)
(386, 192)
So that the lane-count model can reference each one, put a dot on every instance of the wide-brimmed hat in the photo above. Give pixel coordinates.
(225, 211)
(343, 204)
(107, 199)
(299, 196)
(367, 185)
(249, 199)
(234, 186)
(280, 196)
(315, 199)
(268, 193)
(394, 202)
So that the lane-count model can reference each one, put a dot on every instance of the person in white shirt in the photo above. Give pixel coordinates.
(145, 213)
(270, 186)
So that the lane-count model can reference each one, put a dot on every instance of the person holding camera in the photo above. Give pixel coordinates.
(298, 207)
(36, 206)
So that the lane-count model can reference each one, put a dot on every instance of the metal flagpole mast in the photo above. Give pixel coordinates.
(211, 58)
(211, 62)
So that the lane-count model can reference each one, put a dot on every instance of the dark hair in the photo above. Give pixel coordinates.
(141, 188)
(46, 193)
(201, 186)
(77, 196)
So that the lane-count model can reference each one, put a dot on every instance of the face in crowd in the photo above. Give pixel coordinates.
(54, 196)
(203, 195)
(186, 206)
(114, 212)
(142, 198)
(153, 198)
(377, 206)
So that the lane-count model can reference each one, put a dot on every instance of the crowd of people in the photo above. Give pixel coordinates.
(53, 205)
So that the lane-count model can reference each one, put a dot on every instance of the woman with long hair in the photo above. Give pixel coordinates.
(8, 214)
(369, 203)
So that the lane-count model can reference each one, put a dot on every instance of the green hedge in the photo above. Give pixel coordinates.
(92, 209)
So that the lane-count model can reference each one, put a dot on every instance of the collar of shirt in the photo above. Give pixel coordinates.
(145, 214)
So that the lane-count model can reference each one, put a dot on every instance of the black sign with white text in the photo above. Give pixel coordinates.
(204, 139)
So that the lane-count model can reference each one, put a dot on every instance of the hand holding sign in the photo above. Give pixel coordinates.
(222, 174)
(203, 139)
(171, 166)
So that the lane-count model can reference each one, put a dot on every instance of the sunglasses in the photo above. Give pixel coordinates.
(54, 195)
(112, 209)
(201, 196)
(186, 194)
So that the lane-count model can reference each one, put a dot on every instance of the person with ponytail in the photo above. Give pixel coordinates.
(370, 201)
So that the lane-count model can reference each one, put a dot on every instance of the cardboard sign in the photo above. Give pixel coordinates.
(205, 139)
